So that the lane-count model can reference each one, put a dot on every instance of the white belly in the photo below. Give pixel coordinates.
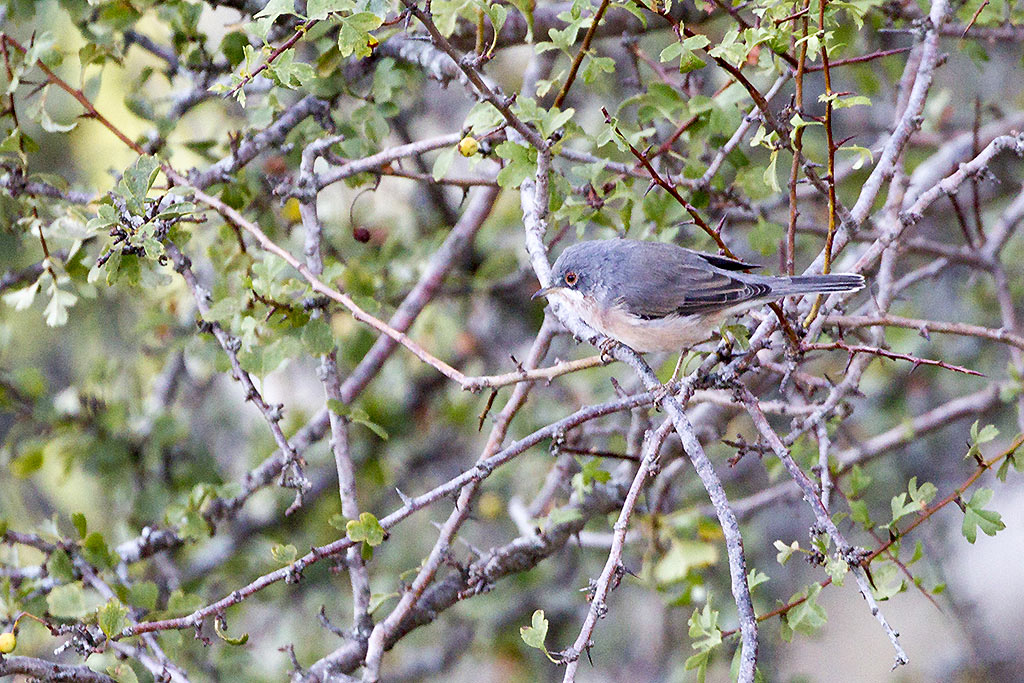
(673, 333)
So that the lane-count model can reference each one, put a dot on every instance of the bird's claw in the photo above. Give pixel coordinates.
(606, 346)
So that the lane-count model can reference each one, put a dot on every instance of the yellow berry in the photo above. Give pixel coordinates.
(8, 641)
(291, 211)
(468, 146)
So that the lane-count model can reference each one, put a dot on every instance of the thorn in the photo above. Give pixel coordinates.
(844, 141)
(867, 572)
(406, 500)
(721, 224)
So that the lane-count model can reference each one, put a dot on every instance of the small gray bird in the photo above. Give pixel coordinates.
(653, 296)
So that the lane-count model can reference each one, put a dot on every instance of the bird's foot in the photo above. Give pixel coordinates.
(606, 346)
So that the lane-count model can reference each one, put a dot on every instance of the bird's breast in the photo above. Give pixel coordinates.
(671, 333)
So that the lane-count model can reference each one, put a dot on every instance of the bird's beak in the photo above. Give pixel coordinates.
(543, 291)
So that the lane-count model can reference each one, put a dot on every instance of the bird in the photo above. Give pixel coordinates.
(655, 296)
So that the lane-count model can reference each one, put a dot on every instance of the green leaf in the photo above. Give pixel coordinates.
(522, 164)
(536, 633)
(51, 126)
(859, 513)
(360, 416)
(785, 551)
(59, 566)
(140, 176)
(923, 495)
(95, 551)
(976, 517)
(697, 42)
(888, 580)
(682, 556)
(771, 176)
(807, 617)
(12, 143)
(699, 662)
(836, 567)
(671, 51)
(562, 515)
(366, 529)
(275, 8)
(122, 673)
(56, 312)
(755, 578)
(318, 337)
(222, 634)
(143, 594)
(81, 526)
(338, 521)
(704, 628)
(850, 101)
(482, 118)
(443, 162)
(180, 603)
(986, 434)
(1011, 460)
(20, 299)
(689, 61)
(28, 461)
(858, 480)
(739, 333)
(285, 554)
(67, 601)
(190, 524)
(354, 35)
(112, 617)
(554, 120)
(319, 9)
(590, 472)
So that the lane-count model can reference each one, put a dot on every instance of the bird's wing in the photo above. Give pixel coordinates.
(687, 283)
(723, 262)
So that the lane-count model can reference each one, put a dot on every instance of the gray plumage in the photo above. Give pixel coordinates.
(655, 296)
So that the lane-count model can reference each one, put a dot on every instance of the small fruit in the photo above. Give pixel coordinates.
(468, 146)
(8, 641)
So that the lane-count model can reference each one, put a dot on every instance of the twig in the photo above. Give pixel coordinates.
(44, 670)
(613, 568)
(844, 550)
(302, 29)
(272, 415)
(927, 326)
(830, 178)
(885, 353)
(584, 47)
(548, 373)
(383, 158)
(478, 472)
(468, 67)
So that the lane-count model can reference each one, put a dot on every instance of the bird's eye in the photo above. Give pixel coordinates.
(571, 278)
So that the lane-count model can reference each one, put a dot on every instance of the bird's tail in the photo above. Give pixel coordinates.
(809, 284)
